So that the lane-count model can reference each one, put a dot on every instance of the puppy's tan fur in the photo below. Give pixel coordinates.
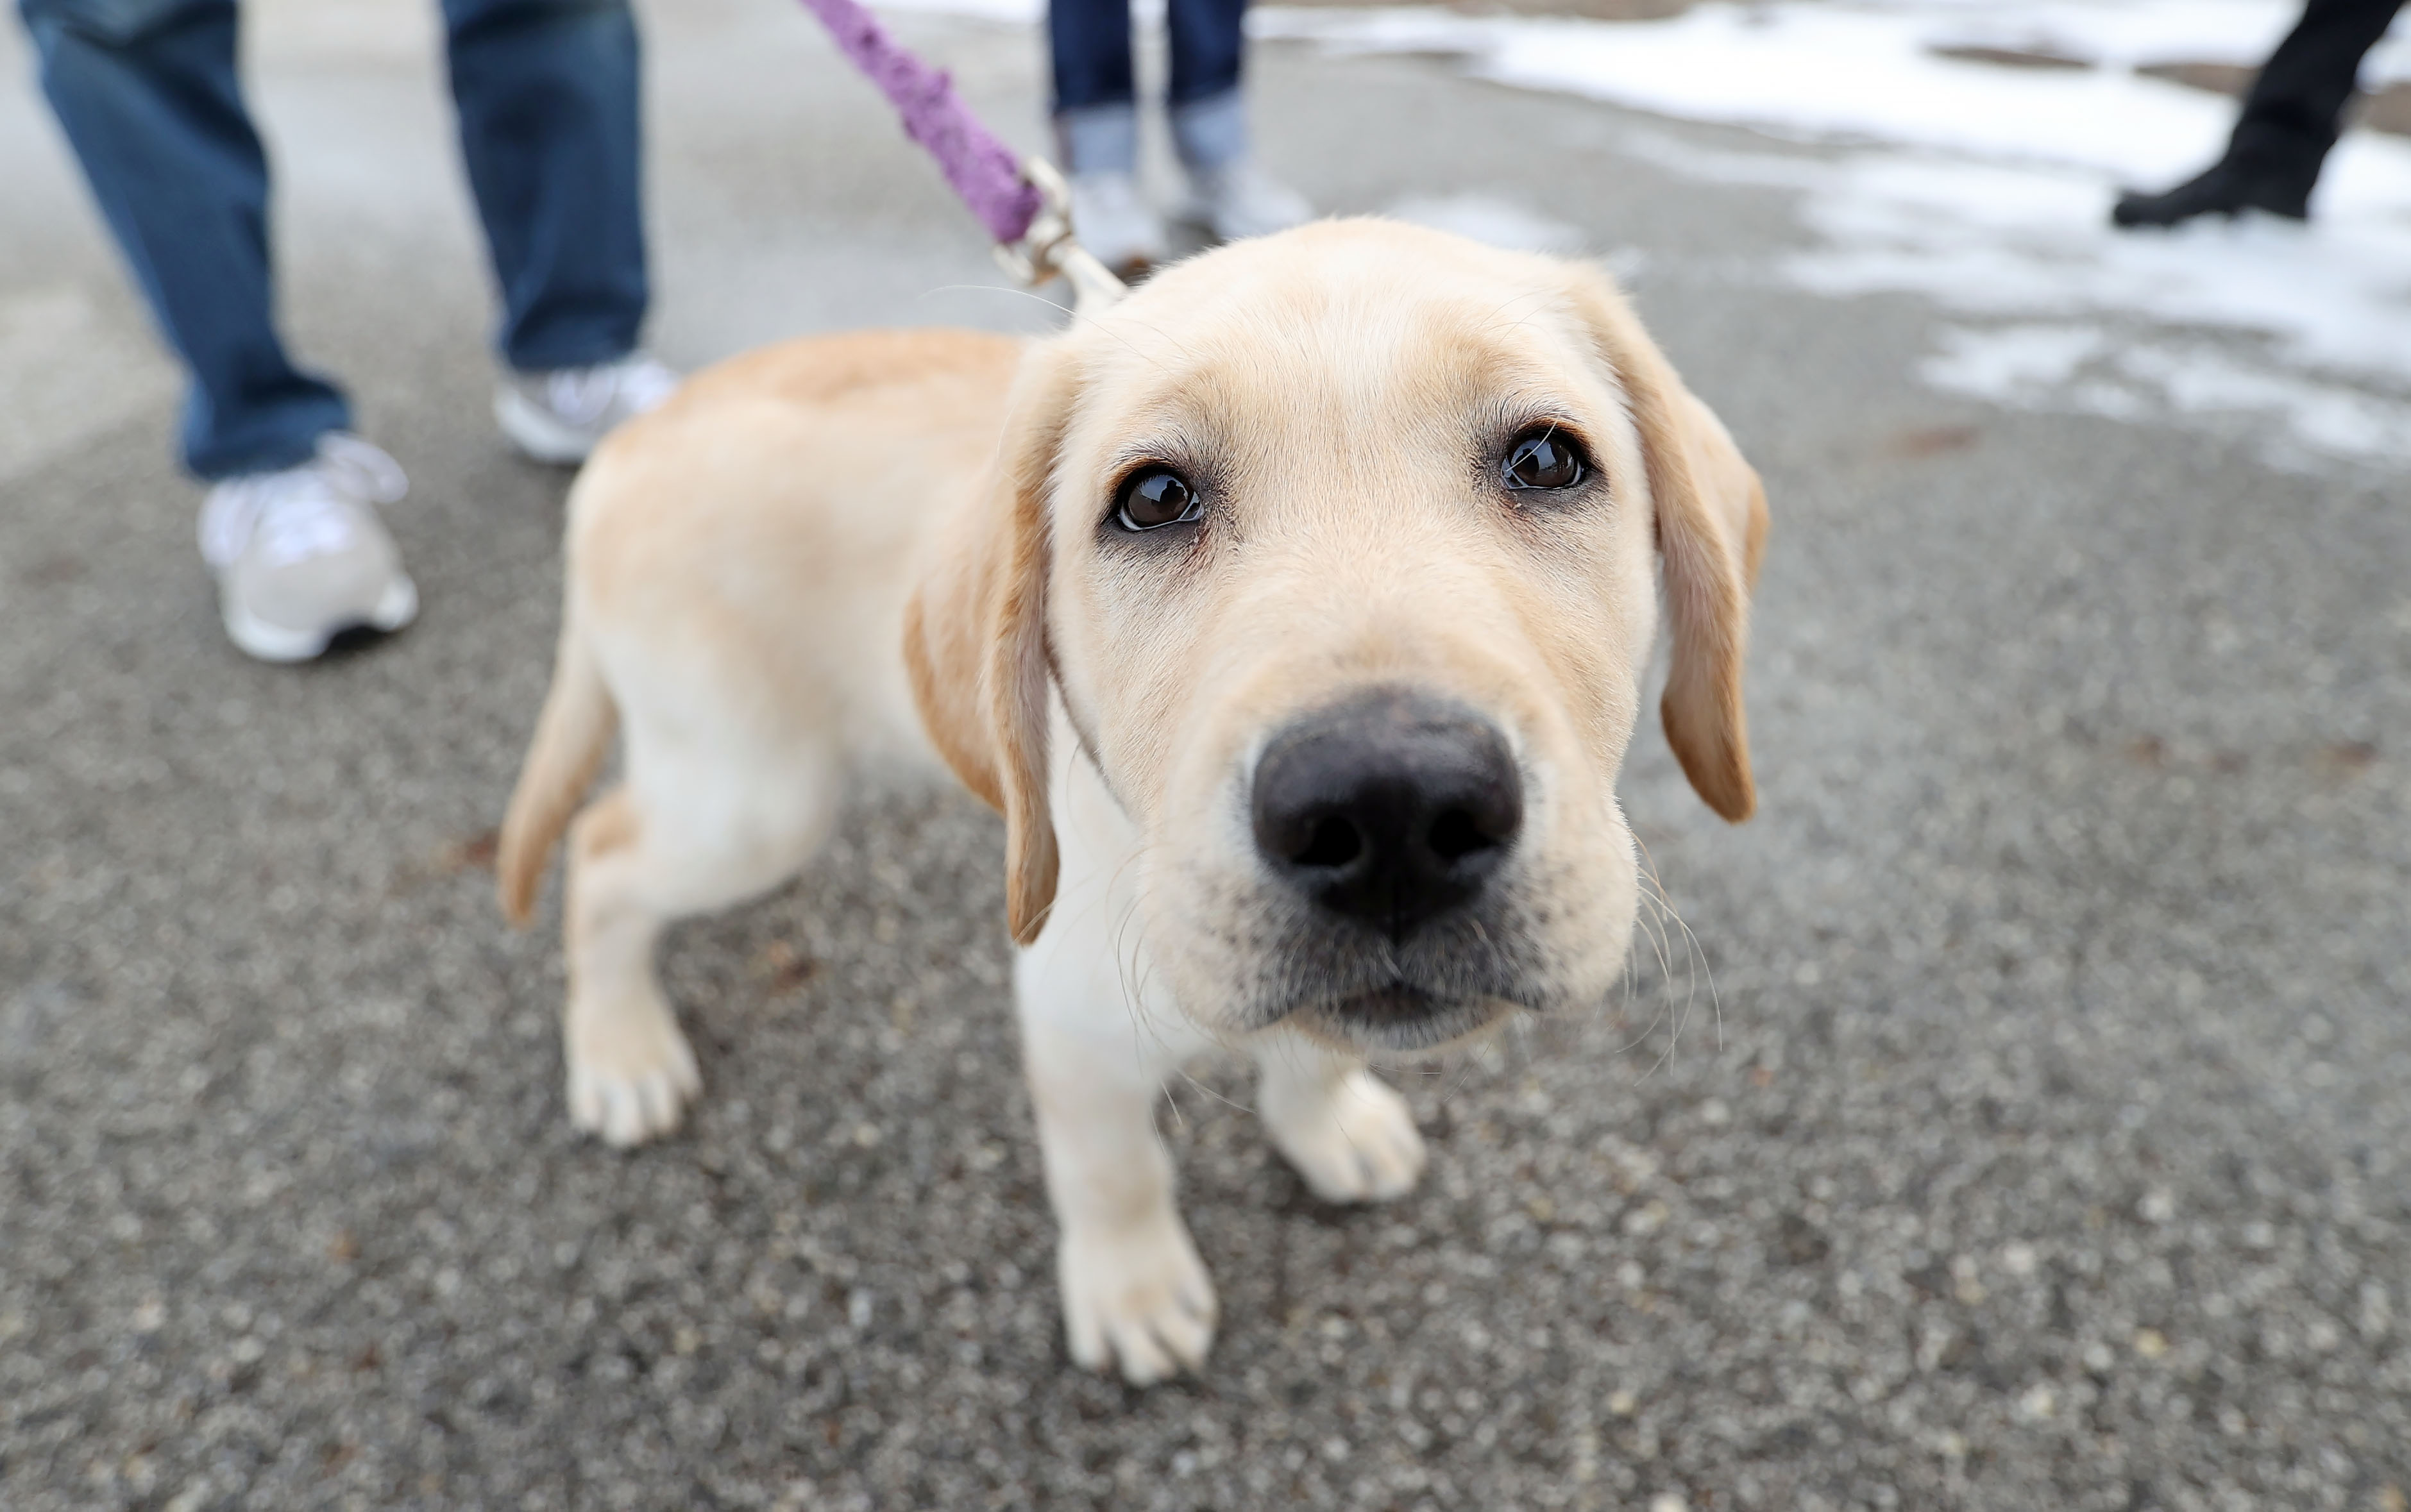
(895, 549)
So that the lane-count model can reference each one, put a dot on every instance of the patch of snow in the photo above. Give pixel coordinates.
(1869, 70)
(2011, 362)
(1987, 189)
(2327, 417)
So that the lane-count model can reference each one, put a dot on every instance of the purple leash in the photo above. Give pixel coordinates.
(1025, 206)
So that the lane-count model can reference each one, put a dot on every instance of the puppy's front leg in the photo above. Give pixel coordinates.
(1351, 1136)
(1134, 1291)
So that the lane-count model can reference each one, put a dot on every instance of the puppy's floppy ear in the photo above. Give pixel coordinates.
(975, 638)
(1711, 524)
(1729, 483)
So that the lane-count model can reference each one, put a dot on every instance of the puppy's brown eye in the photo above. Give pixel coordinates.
(1546, 459)
(1156, 497)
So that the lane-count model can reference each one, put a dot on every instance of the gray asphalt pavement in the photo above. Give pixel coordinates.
(2044, 1142)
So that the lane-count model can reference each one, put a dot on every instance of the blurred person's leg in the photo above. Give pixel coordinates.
(1096, 86)
(548, 92)
(1231, 196)
(2296, 107)
(1096, 130)
(2290, 118)
(1209, 123)
(146, 92)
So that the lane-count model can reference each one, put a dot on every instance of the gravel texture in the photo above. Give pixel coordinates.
(2016, 1118)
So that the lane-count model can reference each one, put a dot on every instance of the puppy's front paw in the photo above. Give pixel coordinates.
(631, 1075)
(1355, 1142)
(1139, 1296)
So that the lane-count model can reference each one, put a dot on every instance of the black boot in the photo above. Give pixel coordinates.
(2262, 170)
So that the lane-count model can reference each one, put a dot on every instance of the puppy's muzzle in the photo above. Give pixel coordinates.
(1391, 810)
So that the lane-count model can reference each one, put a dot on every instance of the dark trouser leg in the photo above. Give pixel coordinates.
(2289, 121)
(1209, 122)
(546, 91)
(145, 91)
(1096, 91)
(2296, 107)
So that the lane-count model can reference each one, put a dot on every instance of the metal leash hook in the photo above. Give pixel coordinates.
(1050, 249)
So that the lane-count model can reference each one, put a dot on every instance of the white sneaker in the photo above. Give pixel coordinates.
(1239, 200)
(561, 416)
(300, 555)
(1114, 224)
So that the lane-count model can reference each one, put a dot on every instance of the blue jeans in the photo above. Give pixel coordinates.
(546, 93)
(1096, 88)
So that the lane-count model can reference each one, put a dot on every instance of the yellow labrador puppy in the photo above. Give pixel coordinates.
(1294, 612)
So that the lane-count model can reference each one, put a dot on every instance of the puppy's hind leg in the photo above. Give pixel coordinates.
(1346, 1131)
(669, 845)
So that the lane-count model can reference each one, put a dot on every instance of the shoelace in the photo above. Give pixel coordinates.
(301, 512)
(584, 395)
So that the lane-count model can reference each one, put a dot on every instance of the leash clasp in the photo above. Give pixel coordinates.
(1050, 249)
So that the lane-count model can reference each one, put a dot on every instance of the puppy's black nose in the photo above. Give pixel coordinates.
(1390, 808)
